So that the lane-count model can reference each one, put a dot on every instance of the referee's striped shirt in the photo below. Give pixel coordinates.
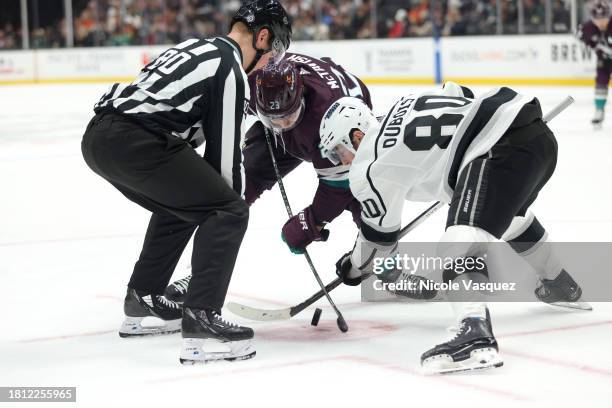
(196, 91)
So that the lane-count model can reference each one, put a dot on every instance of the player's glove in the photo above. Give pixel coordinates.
(345, 270)
(301, 229)
(604, 51)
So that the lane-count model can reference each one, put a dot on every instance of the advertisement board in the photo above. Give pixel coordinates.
(508, 60)
(17, 66)
(542, 59)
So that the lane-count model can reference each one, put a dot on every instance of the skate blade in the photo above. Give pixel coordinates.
(133, 327)
(210, 350)
(480, 359)
(573, 305)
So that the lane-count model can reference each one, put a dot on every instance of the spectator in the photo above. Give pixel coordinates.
(510, 16)
(560, 17)
(534, 16)
(148, 22)
(400, 26)
(419, 20)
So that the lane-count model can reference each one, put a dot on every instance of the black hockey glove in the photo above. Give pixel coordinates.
(604, 51)
(343, 269)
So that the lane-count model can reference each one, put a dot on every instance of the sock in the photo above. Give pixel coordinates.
(464, 310)
(531, 242)
(601, 97)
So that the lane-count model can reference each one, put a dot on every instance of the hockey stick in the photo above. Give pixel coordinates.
(567, 101)
(253, 313)
(340, 321)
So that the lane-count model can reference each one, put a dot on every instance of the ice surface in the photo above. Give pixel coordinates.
(68, 241)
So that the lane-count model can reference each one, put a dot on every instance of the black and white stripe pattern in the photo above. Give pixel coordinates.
(472, 185)
(196, 91)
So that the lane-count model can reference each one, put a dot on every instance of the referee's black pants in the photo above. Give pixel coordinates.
(185, 194)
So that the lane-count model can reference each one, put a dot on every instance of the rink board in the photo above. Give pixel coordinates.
(486, 60)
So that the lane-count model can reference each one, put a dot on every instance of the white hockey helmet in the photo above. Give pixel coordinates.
(340, 120)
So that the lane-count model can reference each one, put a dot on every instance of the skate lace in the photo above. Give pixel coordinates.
(167, 302)
(183, 283)
(222, 320)
(457, 330)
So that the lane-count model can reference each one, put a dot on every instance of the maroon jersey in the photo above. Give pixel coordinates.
(593, 37)
(324, 83)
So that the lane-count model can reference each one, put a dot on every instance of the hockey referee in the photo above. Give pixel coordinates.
(142, 140)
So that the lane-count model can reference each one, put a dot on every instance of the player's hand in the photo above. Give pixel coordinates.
(346, 271)
(301, 230)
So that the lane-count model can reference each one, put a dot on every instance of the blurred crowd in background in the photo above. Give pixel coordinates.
(138, 22)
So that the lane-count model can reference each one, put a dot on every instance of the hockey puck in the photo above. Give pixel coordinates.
(316, 316)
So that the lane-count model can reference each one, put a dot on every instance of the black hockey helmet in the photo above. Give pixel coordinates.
(600, 9)
(279, 91)
(270, 14)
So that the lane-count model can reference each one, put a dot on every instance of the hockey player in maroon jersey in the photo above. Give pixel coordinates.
(597, 34)
(290, 99)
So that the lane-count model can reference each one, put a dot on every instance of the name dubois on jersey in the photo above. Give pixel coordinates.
(394, 127)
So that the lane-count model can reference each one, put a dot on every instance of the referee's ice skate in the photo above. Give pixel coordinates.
(177, 290)
(162, 316)
(473, 347)
(563, 291)
(208, 337)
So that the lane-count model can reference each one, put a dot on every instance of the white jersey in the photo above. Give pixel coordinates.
(417, 152)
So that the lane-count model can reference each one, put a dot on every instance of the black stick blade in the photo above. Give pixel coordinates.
(342, 324)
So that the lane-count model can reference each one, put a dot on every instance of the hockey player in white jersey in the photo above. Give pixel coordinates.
(488, 157)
